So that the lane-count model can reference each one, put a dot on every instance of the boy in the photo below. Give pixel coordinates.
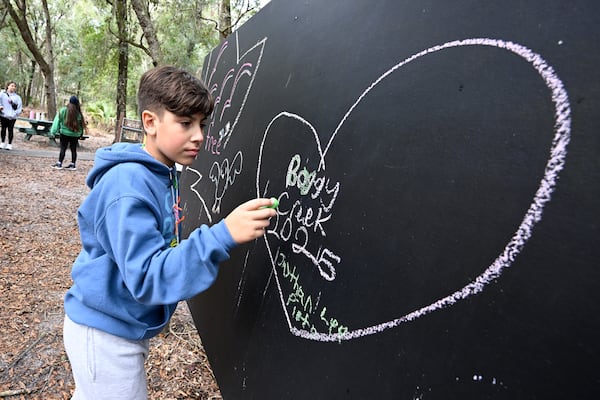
(133, 269)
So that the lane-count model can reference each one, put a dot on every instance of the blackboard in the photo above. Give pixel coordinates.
(437, 166)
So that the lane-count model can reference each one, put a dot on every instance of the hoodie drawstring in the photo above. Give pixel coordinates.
(176, 208)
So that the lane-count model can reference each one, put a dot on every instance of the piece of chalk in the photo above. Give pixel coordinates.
(274, 205)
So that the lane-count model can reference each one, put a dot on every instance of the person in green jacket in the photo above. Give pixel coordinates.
(69, 124)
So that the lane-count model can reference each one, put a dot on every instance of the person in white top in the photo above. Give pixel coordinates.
(11, 107)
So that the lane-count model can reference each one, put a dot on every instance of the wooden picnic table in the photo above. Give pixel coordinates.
(39, 127)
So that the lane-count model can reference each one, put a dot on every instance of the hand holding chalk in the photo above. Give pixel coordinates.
(274, 205)
(250, 220)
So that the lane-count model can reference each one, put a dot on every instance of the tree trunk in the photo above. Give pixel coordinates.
(121, 18)
(19, 16)
(29, 89)
(225, 18)
(143, 15)
(49, 84)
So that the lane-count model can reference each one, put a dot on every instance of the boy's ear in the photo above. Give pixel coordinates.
(149, 121)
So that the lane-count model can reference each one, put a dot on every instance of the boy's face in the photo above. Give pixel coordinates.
(173, 138)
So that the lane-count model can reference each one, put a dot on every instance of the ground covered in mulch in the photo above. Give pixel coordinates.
(39, 240)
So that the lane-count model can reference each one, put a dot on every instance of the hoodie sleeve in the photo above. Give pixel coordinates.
(155, 274)
(19, 109)
(54, 129)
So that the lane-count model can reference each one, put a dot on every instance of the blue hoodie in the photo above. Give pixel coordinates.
(127, 280)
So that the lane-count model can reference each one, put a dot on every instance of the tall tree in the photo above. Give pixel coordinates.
(229, 18)
(121, 18)
(18, 13)
(225, 18)
(143, 15)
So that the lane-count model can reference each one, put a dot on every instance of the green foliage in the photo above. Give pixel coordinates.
(11, 48)
(85, 48)
(99, 113)
(85, 54)
(185, 37)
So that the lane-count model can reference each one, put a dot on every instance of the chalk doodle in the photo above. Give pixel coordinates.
(223, 175)
(308, 199)
(230, 97)
(237, 83)
(193, 188)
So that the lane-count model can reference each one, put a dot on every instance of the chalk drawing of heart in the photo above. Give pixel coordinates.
(322, 189)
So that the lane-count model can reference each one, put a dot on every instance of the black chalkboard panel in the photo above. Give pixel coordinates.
(437, 166)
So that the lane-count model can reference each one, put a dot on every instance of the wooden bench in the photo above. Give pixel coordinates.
(40, 127)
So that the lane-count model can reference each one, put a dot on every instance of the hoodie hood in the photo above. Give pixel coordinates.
(119, 153)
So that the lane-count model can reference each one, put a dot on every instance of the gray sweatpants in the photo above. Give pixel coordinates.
(105, 366)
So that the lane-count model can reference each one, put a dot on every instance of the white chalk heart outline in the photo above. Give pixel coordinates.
(556, 162)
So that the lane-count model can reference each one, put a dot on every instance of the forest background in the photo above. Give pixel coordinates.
(98, 49)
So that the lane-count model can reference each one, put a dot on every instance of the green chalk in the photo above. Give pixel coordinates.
(275, 203)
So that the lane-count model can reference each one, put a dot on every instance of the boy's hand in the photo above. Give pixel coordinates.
(249, 220)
